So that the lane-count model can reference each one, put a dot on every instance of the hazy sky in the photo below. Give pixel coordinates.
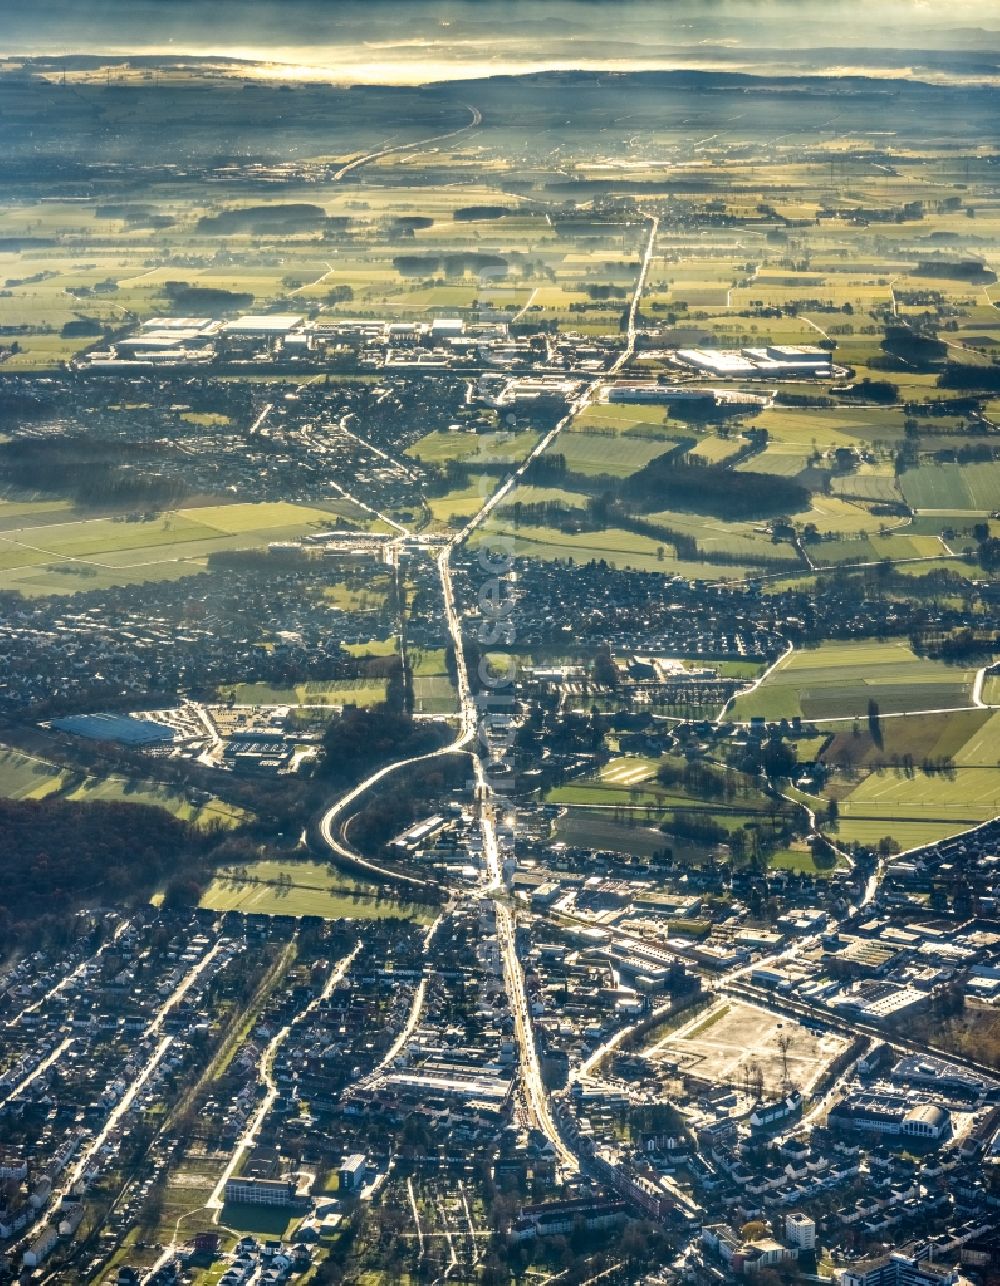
(425, 39)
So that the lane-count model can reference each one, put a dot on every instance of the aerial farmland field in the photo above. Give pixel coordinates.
(837, 681)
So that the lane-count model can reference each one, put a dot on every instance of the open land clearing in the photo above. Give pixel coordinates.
(720, 1044)
(304, 888)
(333, 692)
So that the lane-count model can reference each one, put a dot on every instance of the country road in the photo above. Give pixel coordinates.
(368, 157)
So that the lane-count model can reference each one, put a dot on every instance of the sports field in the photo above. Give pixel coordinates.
(837, 680)
(433, 690)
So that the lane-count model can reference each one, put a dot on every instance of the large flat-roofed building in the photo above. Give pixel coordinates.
(116, 727)
(788, 361)
(717, 362)
(262, 325)
(260, 1192)
(658, 393)
(447, 327)
(947, 1078)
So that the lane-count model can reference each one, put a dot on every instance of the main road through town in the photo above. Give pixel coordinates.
(467, 740)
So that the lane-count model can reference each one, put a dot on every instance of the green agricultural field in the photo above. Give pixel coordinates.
(624, 417)
(716, 450)
(314, 889)
(26, 777)
(825, 430)
(972, 487)
(596, 828)
(334, 692)
(91, 553)
(878, 487)
(529, 495)
(801, 861)
(831, 514)
(928, 737)
(918, 808)
(620, 456)
(629, 782)
(235, 520)
(462, 502)
(781, 458)
(616, 547)
(716, 536)
(374, 647)
(116, 790)
(25, 513)
(621, 548)
(474, 448)
(837, 680)
(897, 547)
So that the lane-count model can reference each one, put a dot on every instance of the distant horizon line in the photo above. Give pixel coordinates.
(419, 70)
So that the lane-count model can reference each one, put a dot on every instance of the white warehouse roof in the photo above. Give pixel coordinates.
(263, 324)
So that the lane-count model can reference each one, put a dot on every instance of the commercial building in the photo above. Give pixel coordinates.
(650, 392)
(888, 1115)
(897, 1270)
(115, 727)
(783, 361)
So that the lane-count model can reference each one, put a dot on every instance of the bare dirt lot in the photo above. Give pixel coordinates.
(731, 1036)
